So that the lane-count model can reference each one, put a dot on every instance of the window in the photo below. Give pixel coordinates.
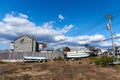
(21, 40)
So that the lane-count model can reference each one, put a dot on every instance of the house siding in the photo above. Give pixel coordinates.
(24, 44)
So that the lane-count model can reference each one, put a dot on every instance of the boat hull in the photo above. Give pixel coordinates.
(77, 55)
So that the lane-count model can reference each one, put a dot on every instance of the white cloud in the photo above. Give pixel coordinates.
(5, 41)
(97, 37)
(23, 16)
(61, 17)
(105, 43)
(67, 28)
(58, 38)
(117, 35)
(85, 39)
(15, 26)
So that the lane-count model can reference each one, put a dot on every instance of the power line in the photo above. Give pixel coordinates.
(94, 25)
(115, 13)
(92, 42)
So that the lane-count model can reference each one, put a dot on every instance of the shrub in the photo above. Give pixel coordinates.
(116, 58)
(91, 62)
(103, 61)
(80, 62)
(59, 59)
(117, 66)
(2, 62)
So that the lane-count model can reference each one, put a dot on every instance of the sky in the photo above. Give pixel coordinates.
(60, 22)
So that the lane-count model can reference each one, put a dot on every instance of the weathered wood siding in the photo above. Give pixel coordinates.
(20, 55)
(24, 44)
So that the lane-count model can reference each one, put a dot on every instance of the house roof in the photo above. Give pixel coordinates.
(28, 37)
(23, 36)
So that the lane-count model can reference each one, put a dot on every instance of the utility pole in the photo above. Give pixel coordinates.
(109, 27)
(60, 44)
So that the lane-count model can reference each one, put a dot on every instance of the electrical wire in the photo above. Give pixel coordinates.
(103, 40)
(114, 13)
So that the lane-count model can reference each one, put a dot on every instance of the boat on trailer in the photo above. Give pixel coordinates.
(78, 53)
(34, 59)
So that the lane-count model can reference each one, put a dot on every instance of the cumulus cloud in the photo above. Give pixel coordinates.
(97, 37)
(67, 28)
(14, 26)
(94, 40)
(16, 21)
(61, 17)
(117, 35)
(5, 41)
(23, 16)
(21, 25)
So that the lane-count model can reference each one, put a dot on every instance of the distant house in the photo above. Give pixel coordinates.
(26, 43)
(117, 50)
(66, 49)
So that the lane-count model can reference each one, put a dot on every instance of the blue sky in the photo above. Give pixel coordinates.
(77, 22)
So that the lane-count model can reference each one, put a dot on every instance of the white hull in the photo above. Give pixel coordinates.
(77, 54)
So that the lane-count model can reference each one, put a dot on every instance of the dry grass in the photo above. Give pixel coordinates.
(58, 70)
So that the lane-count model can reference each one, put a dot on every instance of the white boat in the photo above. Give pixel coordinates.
(30, 58)
(78, 53)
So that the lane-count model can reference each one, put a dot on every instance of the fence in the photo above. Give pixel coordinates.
(20, 55)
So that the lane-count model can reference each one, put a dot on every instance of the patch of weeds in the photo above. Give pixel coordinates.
(59, 59)
(91, 62)
(2, 62)
(80, 62)
(103, 61)
(117, 66)
(91, 58)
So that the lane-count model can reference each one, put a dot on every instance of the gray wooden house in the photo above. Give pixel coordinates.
(26, 43)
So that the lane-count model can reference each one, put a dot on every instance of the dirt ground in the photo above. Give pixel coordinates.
(58, 70)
